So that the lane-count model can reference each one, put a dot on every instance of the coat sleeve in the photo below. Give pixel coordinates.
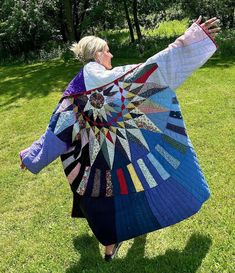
(189, 52)
(55, 141)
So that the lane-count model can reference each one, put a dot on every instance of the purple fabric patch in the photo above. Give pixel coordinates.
(76, 86)
(43, 151)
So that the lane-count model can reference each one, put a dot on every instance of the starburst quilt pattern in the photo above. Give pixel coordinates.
(126, 137)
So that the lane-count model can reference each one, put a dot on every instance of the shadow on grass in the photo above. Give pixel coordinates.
(38, 80)
(173, 261)
(34, 80)
(31, 81)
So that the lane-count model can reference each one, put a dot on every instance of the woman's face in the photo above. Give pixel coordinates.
(105, 57)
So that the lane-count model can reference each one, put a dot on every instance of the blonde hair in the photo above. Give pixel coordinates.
(85, 50)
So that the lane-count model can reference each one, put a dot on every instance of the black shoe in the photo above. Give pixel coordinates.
(109, 257)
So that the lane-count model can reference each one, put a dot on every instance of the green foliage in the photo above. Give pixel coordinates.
(226, 43)
(103, 15)
(160, 11)
(223, 9)
(26, 25)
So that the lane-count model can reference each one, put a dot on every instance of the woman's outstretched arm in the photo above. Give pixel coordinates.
(60, 133)
(189, 52)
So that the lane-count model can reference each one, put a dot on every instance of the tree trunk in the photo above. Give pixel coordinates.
(68, 15)
(231, 18)
(136, 21)
(75, 18)
(81, 17)
(62, 23)
(129, 22)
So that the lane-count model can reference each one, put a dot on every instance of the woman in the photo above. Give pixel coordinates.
(122, 140)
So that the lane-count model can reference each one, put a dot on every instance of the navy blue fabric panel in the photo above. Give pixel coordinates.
(116, 185)
(152, 138)
(103, 183)
(171, 203)
(134, 216)
(90, 182)
(100, 161)
(120, 157)
(66, 135)
(100, 215)
(76, 210)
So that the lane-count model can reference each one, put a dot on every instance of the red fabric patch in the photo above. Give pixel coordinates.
(143, 78)
(109, 137)
(122, 181)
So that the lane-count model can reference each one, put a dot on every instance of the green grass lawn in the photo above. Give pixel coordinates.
(37, 233)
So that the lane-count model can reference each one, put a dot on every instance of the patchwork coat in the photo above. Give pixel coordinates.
(123, 142)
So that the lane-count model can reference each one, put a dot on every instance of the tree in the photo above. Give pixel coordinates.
(26, 25)
(129, 22)
(223, 9)
(136, 21)
(67, 8)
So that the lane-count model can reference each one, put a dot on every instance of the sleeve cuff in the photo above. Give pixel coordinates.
(208, 34)
(23, 153)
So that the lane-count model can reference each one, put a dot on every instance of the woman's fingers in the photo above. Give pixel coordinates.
(216, 22)
(198, 21)
(210, 22)
(214, 30)
(210, 25)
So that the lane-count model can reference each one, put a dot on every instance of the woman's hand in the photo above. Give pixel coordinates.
(22, 166)
(211, 25)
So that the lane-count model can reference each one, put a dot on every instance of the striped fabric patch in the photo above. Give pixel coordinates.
(96, 185)
(169, 158)
(163, 173)
(177, 129)
(83, 184)
(68, 161)
(74, 173)
(134, 177)
(175, 144)
(109, 185)
(148, 176)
